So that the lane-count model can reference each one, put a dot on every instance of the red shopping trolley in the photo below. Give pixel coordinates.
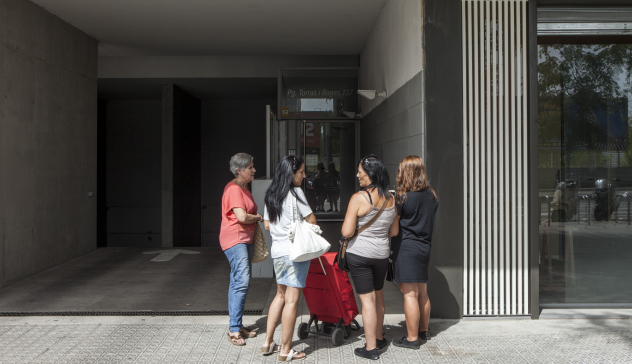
(330, 300)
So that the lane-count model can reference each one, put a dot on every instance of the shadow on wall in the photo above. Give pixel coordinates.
(444, 304)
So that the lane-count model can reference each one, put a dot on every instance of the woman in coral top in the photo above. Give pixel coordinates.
(239, 216)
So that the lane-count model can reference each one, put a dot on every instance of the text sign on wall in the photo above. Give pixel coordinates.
(319, 93)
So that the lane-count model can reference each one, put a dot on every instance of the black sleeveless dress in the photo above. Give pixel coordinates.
(411, 248)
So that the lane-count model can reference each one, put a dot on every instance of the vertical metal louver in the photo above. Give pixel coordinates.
(495, 144)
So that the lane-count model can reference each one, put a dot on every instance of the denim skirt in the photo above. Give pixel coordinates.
(289, 273)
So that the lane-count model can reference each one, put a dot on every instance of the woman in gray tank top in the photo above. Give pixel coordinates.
(368, 253)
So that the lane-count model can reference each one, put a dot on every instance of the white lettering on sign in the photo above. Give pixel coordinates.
(319, 93)
(167, 255)
(308, 93)
(309, 127)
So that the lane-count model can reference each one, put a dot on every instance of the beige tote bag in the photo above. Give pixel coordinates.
(260, 248)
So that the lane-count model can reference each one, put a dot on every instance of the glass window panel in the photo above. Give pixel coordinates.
(329, 153)
(319, 93)
(585, 172)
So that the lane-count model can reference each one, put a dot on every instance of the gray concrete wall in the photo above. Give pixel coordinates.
(443, 88)
(48, 130)
(395, 128)
(133, 173)
(422, 115)
(228, 127)
(391, 61)
(392, 55)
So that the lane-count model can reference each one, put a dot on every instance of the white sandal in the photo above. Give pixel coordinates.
(269, 350)
(290, 356)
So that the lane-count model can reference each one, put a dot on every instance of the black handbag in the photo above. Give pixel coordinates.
(390, 271)
(341, 257)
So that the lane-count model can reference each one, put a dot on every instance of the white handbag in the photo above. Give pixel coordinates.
(305, 240)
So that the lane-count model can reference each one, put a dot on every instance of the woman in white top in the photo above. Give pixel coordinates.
(284, 202)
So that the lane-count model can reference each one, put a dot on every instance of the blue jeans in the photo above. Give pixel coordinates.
(239, 258)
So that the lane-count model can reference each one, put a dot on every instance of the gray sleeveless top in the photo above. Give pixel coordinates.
(373, 242)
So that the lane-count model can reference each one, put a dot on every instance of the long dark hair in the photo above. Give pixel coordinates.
(282, 185)
(377, 172)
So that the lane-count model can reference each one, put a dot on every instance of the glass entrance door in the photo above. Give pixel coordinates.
(330, 151)
(585, 173)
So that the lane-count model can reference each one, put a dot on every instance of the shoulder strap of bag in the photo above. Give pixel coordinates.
(295, 206)
(370, 222)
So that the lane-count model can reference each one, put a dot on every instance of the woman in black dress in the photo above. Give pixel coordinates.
(416, 206)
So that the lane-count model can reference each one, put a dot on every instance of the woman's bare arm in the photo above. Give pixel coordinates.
(394, 229)
(266, 224)
(244, 217)
(311, 219)
(351, 218)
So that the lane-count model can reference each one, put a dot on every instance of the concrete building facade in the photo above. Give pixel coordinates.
(117, 129)
(48, 141)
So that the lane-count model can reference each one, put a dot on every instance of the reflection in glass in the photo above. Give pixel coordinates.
(585, 173)
(329, 153)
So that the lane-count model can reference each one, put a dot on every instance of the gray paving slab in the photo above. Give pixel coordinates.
(125, 279)
(203, 340)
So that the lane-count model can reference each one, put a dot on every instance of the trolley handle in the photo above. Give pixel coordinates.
(322, 266)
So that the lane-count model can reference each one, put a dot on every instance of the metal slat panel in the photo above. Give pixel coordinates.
(471, 159)
(507, 242)
(501, 152)
(477, 167)
(512, 55)
(488, 268)
(465, 149)
(495, 158)
(484, 124)
(518, 136)
(494, 62)
(525, 143)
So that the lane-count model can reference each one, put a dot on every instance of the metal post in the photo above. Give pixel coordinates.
(588, 211)
(548, 211)
(268, 142)
(627, 197)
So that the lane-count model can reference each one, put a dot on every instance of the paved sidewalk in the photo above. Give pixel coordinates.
(203, 340)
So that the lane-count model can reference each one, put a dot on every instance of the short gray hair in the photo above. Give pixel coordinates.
(240, 161)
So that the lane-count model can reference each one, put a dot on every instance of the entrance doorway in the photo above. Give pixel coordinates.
(330, 150)
(319, 121)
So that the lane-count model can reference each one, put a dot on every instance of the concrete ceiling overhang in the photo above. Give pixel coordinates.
(202, 88)
(222, 27)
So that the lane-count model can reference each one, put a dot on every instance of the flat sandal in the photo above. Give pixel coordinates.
(269, 350)
(235, 340)
(247, 334)
(290, 356)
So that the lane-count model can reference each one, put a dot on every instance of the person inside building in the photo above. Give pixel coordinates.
(416, 205)
(320, 179)
(285, 202)
(368, 253)
(239, 216)
(333, 187)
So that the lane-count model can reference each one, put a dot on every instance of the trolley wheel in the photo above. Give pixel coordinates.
(338, 336)
(347, 331)
(357, 325)
(302, 331)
